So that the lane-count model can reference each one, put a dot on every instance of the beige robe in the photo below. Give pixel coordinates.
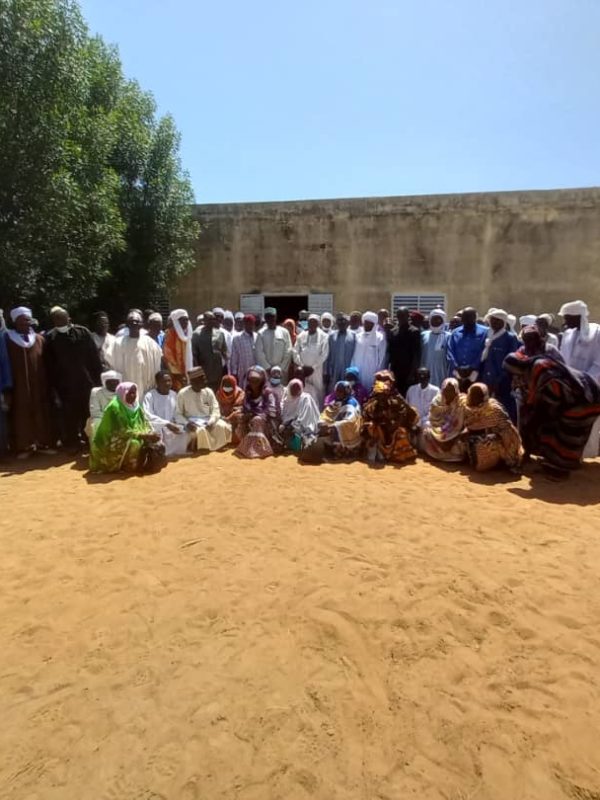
(202, 408)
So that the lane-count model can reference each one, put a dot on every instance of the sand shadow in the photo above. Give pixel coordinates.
(492, 477)
(35, 463)
(581, 488)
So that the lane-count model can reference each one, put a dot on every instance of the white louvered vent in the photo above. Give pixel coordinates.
(425, 303)
(320, 303)
(252, 304)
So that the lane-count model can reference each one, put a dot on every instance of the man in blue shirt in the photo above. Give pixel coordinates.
(465, 349)
(341, 351)
(500, 343)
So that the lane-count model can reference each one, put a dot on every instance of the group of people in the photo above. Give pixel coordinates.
(466, 389)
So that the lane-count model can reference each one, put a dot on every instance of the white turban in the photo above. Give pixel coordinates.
(548, 317)
(228, 315)
(238, 315)
(314, 316)
(57, 310)
(218, 310)
(155, 317)
(328, 316)
(438, 312)
(512, 321)
(527, 319)
(110, 375)
(370, 316)
(182, 335)
(20, 311)
(497, 313)
(577, 308)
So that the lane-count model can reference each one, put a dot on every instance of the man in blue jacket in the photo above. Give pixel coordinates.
(465, 349)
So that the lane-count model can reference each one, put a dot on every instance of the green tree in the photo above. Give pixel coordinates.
(93, 201)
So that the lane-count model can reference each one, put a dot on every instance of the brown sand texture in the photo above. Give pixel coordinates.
(253, 631)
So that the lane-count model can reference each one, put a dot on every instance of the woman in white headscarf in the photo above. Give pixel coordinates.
(370, 353)
(177, 348)
(299, 417)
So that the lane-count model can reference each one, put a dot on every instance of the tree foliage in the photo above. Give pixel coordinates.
(93, 200)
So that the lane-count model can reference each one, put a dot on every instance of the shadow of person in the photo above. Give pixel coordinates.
(37, 462)
(581, 488)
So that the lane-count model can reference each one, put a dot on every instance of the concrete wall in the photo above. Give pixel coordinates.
(523, 251)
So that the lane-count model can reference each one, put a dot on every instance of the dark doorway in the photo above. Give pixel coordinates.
(288, 306)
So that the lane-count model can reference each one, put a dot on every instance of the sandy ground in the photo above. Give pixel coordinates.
(240, 630)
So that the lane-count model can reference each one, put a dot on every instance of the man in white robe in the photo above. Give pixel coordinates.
(580, 347)
(198, 411)
(273, 345)
(137, 357)
(310, 354)
(371, 351)
(420, 395)
(100, 397)
(160, 407)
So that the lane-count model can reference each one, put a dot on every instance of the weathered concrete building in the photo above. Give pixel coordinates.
(524, 251)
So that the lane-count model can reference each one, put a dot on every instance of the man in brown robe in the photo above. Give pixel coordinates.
(29, 416)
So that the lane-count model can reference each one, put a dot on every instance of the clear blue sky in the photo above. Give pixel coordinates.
(294, 99)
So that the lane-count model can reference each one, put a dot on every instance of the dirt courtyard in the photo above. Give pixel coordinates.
(252, 631)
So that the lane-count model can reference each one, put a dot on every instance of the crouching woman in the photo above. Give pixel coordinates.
(124, 440)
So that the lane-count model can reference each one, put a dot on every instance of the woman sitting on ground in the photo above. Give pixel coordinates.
(492, 439)
(559, 408)
(231, 403)
(388, 422)
(341, 422)
(258, 429)
(299, 417)
(275, 384)
(124, 439)
(442, 438)
(358, 390)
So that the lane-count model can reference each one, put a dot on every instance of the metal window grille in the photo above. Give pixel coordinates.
(252, 303)
(425, 303)
(320, 303)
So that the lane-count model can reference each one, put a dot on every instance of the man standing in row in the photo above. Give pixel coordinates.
(209, 350)
(29, 411)
(500, 343)
(434, 347)
(243, 351)
(137, 357)
(580, 348)
(310, 354)
(273, 345)
(466, 347)
(73, 368)
(371, 351)
(342, 343)
(405, 351)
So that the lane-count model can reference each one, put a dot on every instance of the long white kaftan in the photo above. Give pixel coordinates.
(583, 353)
(370, 355)
(311, 350)
(160, 410)
(138, 360)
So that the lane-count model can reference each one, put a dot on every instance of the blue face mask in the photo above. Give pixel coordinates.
(275, 381)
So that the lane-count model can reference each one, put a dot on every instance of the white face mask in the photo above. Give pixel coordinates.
(436, 328)
(228, 389)
(63, 329)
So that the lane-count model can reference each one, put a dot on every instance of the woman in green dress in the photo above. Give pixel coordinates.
(124, 439)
